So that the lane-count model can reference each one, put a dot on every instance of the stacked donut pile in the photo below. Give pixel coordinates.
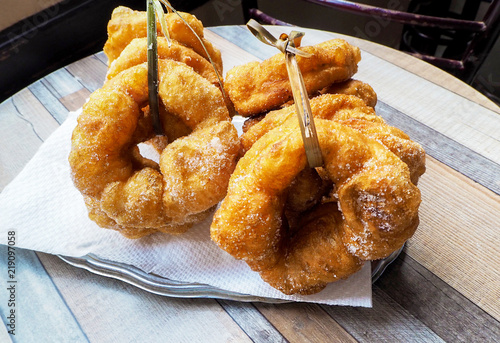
(299, 227)
(125, 191)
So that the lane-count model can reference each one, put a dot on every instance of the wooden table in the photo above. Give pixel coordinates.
(445, 286)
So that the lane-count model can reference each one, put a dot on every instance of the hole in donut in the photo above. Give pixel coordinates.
(173, 126)
(149, 146)
(310, 188)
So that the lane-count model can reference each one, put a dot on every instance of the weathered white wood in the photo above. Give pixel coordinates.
(40, 313)
(112, 311)
(444, 310)
(24, 124)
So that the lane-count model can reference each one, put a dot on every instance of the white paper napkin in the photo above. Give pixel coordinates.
(49, 215)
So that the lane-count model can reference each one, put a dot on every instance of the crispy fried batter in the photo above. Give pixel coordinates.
(350, 87)
(136, 53)
(350, 111)
(126, 192)
(259, 87)
(379, 205)
(126, 24)
(353, 87)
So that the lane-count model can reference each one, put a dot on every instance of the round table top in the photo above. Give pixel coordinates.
(445, 285)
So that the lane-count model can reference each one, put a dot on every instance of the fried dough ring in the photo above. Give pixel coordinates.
(353, 112)
(136, 196)
(378, 201)
(126, 24)
(136, 53)
(258, 87)
(354, 87)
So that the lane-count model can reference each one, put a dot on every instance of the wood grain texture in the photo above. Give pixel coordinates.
(458, 238)
(5, 337)
(91, 72)
(387, 321)
(299, 322)
(112, 311)
(239, 37)
(444, 287)
(37, 302)
(75, 101)
(455, 155)
(427, 298)
(21, 116)
(443, 188)
(61, 83)
(252, 321)
(27, 107)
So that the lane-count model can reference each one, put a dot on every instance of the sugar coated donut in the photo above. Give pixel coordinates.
(373, 209)
(137, 196)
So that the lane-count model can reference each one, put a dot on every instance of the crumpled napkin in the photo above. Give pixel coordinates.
(49, 215)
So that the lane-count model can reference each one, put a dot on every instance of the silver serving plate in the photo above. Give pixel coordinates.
(177, 289)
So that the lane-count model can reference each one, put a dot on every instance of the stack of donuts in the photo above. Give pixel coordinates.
(122, 189)
(299, 227)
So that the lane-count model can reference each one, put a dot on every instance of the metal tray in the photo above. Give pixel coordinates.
(172, 288)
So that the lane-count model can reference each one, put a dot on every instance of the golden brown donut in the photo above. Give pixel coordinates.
(258, 87)
(126, 24)
(137, 196)
(353, 87)
(136, 53)
(378, 204)
(353, 112)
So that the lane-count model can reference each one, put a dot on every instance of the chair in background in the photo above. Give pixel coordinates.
(470, 40)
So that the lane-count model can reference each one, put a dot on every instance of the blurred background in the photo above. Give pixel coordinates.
(40, 36)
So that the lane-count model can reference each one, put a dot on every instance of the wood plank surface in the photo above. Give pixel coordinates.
(300, 322)
(441, 185)
(440, 307)
(468, 162)
(434, 292)
(5, 337)
(252, 321)
(43, 308)
(461, 246)
(109, 310)
(387, 321)
(22, 116)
